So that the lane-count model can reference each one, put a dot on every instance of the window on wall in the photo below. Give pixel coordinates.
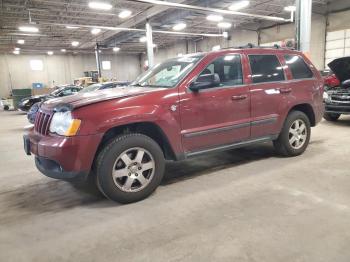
(298, 67)
(36, 65)
(106, 65)
(229, 69)
(266, 68)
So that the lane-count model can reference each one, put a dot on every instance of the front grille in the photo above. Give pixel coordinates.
(341, 98)
(42, 123)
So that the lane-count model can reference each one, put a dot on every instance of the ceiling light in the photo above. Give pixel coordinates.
(215, 18)
(16, 52)
(63, 50)
(154, 45)
(143, 39)
(216, 48)
(290, 8)
(225, 34)
(100, 5)
(125, 14)
(239, 5)
(72, 27)
(75, 43)
(17, 48)
(95, 31)
(224, 25)
(100, 51)
(179, 26)
(21, 42)
(49, 52)
(30, 29)
(116, 49)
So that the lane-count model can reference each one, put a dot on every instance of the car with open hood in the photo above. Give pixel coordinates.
(119, 139)
(337, 100)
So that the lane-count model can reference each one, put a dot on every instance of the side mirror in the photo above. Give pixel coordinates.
(205, 81)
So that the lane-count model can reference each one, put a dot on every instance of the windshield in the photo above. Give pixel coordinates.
(91, 88)
(57, 91)
(169, 73)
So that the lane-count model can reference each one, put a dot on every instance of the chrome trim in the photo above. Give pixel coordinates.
(215, 130)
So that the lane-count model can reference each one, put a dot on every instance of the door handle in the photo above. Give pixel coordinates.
(285, 90)
(240, 97)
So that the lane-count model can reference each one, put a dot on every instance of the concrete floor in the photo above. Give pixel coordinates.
(240, 205)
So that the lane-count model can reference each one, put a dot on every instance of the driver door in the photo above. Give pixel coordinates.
(219, 115)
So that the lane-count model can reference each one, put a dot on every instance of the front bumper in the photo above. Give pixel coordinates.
(67, 158)
(338, 108)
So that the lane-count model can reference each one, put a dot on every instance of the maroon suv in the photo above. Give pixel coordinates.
(181, 108)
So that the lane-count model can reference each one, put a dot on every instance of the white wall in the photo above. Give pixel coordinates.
(15, 70)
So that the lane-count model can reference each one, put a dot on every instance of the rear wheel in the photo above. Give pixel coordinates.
(331, 116)
(295, 135)
(129, 168)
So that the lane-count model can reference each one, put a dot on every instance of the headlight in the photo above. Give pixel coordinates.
(326, 96)
(63, 124)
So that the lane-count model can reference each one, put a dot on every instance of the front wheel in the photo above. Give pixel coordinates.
(295, 135)
(129, 168)
(331, 116)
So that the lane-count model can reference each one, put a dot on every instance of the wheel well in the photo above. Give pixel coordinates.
(307, 110)
(146, 128)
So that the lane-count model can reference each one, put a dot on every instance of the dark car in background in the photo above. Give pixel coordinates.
(26, 103)
(337, 99)
(99, 86)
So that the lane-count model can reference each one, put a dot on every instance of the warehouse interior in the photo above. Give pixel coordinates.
(243, 204)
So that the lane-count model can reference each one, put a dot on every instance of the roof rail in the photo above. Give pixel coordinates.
(250, 45)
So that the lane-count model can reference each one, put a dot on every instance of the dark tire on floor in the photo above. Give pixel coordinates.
(292, 140)
(332, 117)
(129, 168)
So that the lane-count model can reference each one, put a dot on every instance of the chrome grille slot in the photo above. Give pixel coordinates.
(42, 123)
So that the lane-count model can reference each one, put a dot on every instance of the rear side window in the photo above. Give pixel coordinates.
(298, 67)
(266, 68)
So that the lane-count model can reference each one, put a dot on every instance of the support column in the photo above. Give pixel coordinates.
(150, 54)
(98, 60)
(303, 24)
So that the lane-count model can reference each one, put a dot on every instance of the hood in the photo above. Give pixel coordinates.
(83, 99)
(341, 68)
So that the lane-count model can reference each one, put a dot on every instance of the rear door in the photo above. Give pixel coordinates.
(219, 115)
(268, 89)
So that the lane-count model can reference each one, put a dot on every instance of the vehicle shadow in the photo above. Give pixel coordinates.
(343, 121)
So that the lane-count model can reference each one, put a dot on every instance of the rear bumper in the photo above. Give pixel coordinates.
(67, 158)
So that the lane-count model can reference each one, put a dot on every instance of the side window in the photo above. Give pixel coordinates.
(229, 69)
(266, 68)
(298, 67)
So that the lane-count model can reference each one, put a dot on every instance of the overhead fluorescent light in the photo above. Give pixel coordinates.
(49, 52)
(100, 51)
(179, 26)
(125, 14)
(224, 25)
(216, 48)
(116, 49)
(100, 5)
(17, 48)
(63, 50)
(95, 31)
(75, 43)
(215, 18)
(239, 5)
(290, 8)
(143, 39)
(21, 42)
(72, 27)
(16, 52)
(30, 29)
(225, 34)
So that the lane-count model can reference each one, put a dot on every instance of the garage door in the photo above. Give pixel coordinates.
(337, 45)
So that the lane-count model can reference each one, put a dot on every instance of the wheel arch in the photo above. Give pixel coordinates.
(307, 110)
(149, 129)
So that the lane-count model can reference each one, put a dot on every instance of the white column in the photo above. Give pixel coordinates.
(150, 54)
(303, 24)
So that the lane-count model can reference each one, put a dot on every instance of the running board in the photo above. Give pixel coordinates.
(231, 146)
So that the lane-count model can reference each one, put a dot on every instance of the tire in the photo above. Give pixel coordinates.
(136, 174)
(293, 141)
(331, 116)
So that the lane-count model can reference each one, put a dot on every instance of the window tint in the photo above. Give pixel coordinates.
(266, 68)
(229, 69)
(298, 67)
